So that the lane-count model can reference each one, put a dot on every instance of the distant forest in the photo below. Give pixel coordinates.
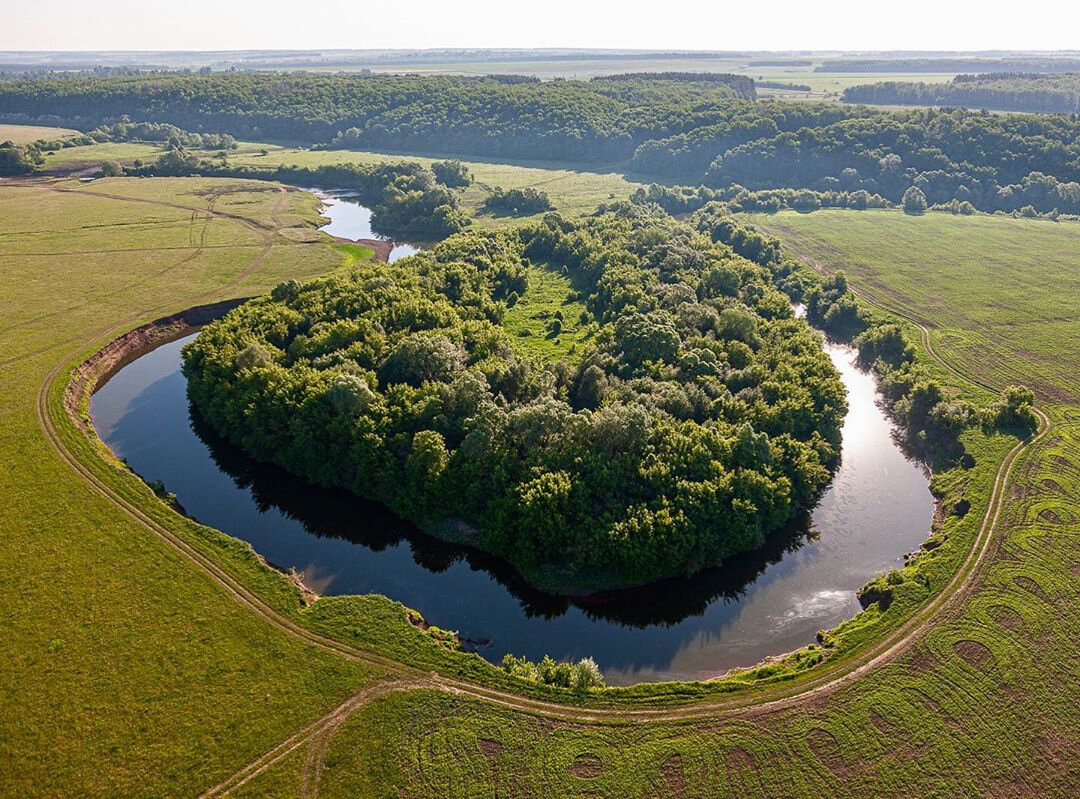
(952, 65)
(705, 129)
(1005, 91)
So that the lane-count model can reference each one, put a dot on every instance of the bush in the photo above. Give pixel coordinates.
(581, 677)
(14, 160)
(518, 202)
(913, 201)
(452, 173)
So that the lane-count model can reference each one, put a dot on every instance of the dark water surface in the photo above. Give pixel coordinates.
(765, 603)
(350, 220)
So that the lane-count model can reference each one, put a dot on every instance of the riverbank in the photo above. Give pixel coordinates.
(757, 606)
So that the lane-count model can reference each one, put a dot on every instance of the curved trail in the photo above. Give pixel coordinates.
(888, 648)
(408, 677)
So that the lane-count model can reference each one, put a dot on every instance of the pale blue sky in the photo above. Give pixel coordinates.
(761, 25)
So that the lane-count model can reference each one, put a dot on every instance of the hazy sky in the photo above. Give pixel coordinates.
(719, 25)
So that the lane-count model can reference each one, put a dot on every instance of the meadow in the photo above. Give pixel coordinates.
(127, 667)
(25, 134)
(529, 321)
(998, 294)
(153, 656)
(573, 189)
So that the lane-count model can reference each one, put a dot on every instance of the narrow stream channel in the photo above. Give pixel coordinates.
(765, 603)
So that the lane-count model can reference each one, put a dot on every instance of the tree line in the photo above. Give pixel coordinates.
(673, 126)
(595, 121)
(930, 420)
(1051, 94)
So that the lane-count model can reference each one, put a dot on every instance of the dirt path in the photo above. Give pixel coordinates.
(823, 681)
(317, 734)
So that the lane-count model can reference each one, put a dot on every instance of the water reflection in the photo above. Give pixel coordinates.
(763, 603)
(333, 513)
(351, 220)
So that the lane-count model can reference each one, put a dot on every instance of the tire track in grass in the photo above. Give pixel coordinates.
(256, 262)
(825, 681)
(315, 733)
(778, 697)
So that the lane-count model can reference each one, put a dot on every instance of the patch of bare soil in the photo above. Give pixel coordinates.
(489, 748)
(738, 759)
(880, 723)
(1033, 588)
(672, 772)
(922, 659)
(1053, 485)
(1048, 515)
(1061, 462)
(976, 655)
(382, 248)
(1006, 617)
(587, 766)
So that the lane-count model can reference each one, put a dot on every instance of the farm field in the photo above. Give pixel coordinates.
(998, 294)
(24, 134)
(572, 190)
(127, 667)
(133, 664)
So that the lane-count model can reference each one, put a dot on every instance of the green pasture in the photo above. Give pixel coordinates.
(999, 294)
(130, 672)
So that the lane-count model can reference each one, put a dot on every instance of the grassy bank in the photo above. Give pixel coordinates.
(134, 673)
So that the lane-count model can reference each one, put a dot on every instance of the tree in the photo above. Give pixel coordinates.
(452, 173)
(586, 676)
(14, 160)
(914, 201)
(423, 357)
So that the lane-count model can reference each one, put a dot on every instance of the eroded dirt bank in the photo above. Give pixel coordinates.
(119, 352)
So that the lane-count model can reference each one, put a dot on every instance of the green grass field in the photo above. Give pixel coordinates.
(529, 320)
(139, 667)
(573, 189)
(125, 667)
(999, 294)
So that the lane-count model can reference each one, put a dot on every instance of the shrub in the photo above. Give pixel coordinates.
(913, 201)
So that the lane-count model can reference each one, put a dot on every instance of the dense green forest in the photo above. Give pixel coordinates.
(700, 418)
(600, 120)
(1005, 91)
(679, 127)
(994, 161)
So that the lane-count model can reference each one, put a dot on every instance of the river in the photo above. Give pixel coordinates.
(877, 508)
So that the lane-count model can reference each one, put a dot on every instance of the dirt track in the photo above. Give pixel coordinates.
(826, 679)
